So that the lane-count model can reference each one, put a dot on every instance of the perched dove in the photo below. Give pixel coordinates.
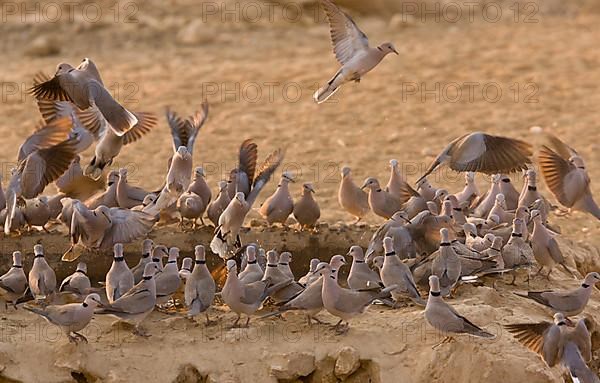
(37, 212)
(310, 276)
(361, 276)
(351, 48)
(246, 298)
(511, 195)
(199, 185)
(138, 270)
(168, 281)
(200, 287)
(446, 266)
(546, 251)
(191, 207)
(306, 210)
(470, 192)
(13, 283)
(216, 207)
(345, 303)
(78, 282)
(381, 202)
(483, 153)
(567, 179)
(395, 273)
(276, 274)
(108, 197)
(127, 195)
(72, 317)
(186, 268)
(568, 302)
(284, 264)
(352, 198)
(119, 278)
(227, 232)
(517, 252)
(445, 319)
(278, 207)
(529, 194)
(42, 279)
(252, 272)
(135, 305)
(485, 203)
(396, 180)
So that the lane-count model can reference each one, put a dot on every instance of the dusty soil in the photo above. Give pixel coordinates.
(259, 76)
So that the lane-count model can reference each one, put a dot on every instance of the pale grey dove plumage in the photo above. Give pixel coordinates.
(352, 198)
(119, 278)
(278, 207)
(200, 286)
(138, 270)
(545, 248)
(306, 209)
(78, 282)
(168, 281)
(42, 279)
(446, 266)
(395, 272)
(13, 284)
(361, 276)
(381, 202)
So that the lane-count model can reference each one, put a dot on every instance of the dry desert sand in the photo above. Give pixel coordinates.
(258, 76)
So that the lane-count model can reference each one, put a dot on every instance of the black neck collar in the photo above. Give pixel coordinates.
(200, 262)
(516, 235)
(84, 304)
(531, 188)
(186, 269)
(271, 265)
(585, 285)
(358, 261)
(147, 277)
(457, 209)
(435, 293)
(17, 266)
(39, 256)
(506, 180)
(119, 259)
(157, 260)
(473, 235)
(445, 244)
(561, 323)
(284, 264)
(252, 262)
(171, 262)
(82, 272)
(495, 249)
(145, 255)
(332, 277)
(390, 253)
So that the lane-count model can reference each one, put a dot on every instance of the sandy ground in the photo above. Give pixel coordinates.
(258, 77)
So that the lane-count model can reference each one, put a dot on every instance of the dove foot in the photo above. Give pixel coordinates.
(138, 331)
(447, 339)
(79, 337)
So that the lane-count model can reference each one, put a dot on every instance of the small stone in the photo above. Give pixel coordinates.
(347, 362)
(536, 129)
(293, 365)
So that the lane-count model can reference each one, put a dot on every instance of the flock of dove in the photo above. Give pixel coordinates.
(431, 238)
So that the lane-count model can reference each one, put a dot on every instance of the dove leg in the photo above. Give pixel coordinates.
(137, 330)
(80, 337)
(235, 323)
(447, 339)
(208, 321)
(356, 221)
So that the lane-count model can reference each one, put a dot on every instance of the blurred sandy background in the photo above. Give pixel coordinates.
(499, 67)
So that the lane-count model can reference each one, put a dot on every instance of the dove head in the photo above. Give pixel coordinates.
(536, 215)
(441, 194)
(388, 245)
(489, 238)
(222, 185)
(231, 266)
(324, 269)
(453, 200)
(499, 198)
(92, 300)
(159, 252)
(150, 269)
(522, 212)
(517, 225)
(469, 177)
(357, 253)
(123, 174)
(493, 219)
(319, 267)
(371, 183)
(272, 257)
(285, 257)
(496, 178)
(118, 250)
(287, 177)
(592, 278)
(497, 243)
(345, 171)
(388, 48)
(183, 152)
(308, 188)
(173, 253)
(17, 258)
(112, 177)
(187, 263)
(577, 161)
(444, 235)
(559, 319)
(313, 264)
(470, 229)
(81, 266)
(432, 207)
(393, 164)
(434, 284)
(336, 262)
(105, 211)
(378, 262)
(251, 253)
(531, 175)
(447, 208)
(400, 216)
(199, 253)
(199, 172)
(63, 68)
(239, 197)
(38, 250)
(147, 246)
